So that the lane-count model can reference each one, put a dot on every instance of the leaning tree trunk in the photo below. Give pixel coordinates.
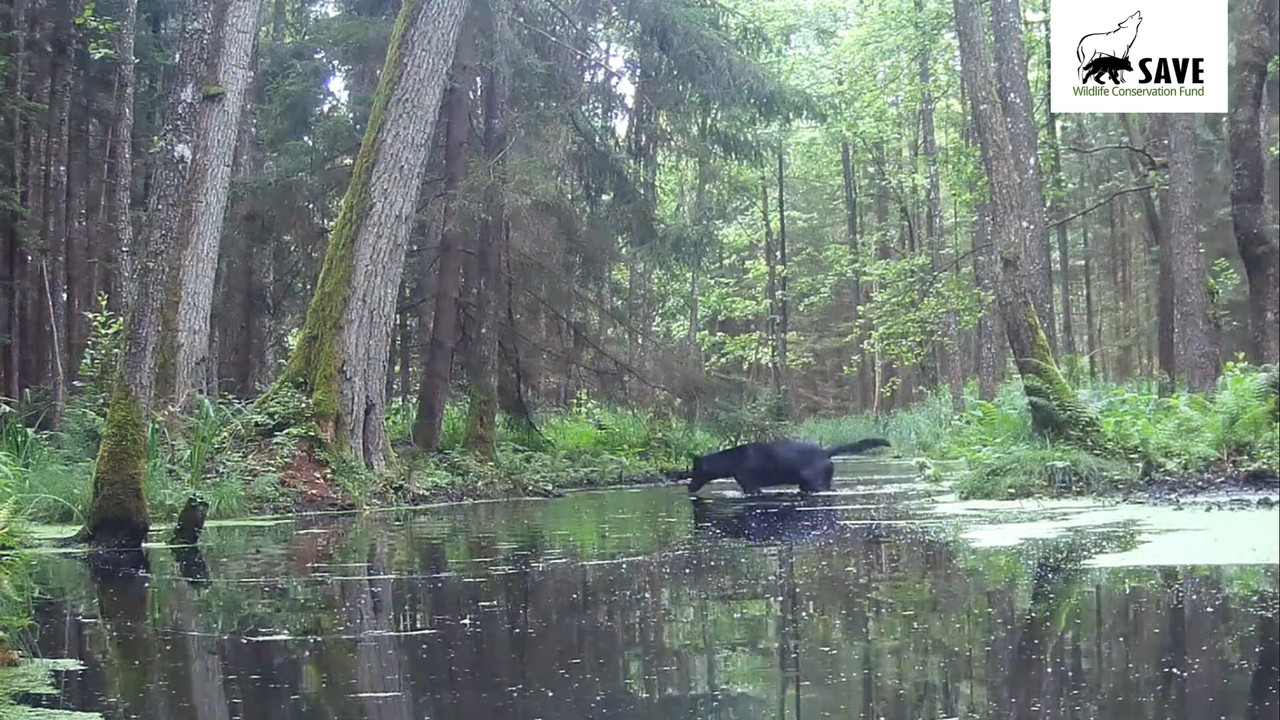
(1015, 99)
(1255, 234)
(438, 364)
(118, 514)
(1194, 359)
(209, 191)
(1055, 411)
(340, 360)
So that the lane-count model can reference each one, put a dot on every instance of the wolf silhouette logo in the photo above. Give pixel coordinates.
(1108, 52)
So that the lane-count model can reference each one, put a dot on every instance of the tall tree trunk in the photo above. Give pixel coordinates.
(121, 153)
(784, 320)
(118, 514)
(14, 255)
(1254, 231)
(1056, 205)
(1015, 99)
(53, 219)
(1124, 361)
(78, 280)
(433, 393)
(771, 291)
(989, 342)
(1194, 359)
(948, 350)
(1156, 240)
(1090, 315)
(209, 190)
(341, 357)
(1053, 405)
(481, 372)
(851, 228)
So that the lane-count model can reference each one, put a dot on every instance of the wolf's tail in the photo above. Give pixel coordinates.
(857, 447)
(1080, 60)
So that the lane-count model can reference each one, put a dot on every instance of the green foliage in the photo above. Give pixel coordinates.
(1235, 427)
(907, 316)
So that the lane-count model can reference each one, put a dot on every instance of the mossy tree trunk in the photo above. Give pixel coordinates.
(438, 364)
(118, 514)
(481, 371)
(209, 190)
(341, 357)
(1054, 408)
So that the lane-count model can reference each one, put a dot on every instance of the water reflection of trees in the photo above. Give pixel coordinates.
(857, 621)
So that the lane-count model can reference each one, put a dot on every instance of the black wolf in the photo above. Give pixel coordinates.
(1112, 66)
(784, 462)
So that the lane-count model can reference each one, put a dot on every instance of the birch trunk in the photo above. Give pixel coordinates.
(341, 357)
(208, 192)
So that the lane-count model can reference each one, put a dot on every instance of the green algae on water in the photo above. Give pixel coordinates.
(35, 677)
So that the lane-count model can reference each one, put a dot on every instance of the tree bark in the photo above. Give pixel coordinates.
(1090, 315)
(341, 357)
(118, 514)
(78, 280)
(986, 271)
(1157, 240)
(947, 353)
(14, 255)
(862, 380)
(771, 291)
(1250, 216)
(1015, 99)
(1057, 205)
(1054, 408)
(208, 193)
(438, 364)
(1194, 359)
(53, 215)
(121, 154)
(784, 315)
(483, 389)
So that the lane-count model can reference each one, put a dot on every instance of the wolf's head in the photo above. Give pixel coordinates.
(1133, 21)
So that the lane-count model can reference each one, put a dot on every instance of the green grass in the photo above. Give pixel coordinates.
(46, 474)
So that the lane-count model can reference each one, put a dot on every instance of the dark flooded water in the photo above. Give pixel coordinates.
(643, 604)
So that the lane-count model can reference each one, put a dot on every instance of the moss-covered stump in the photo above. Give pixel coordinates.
(118, 514)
